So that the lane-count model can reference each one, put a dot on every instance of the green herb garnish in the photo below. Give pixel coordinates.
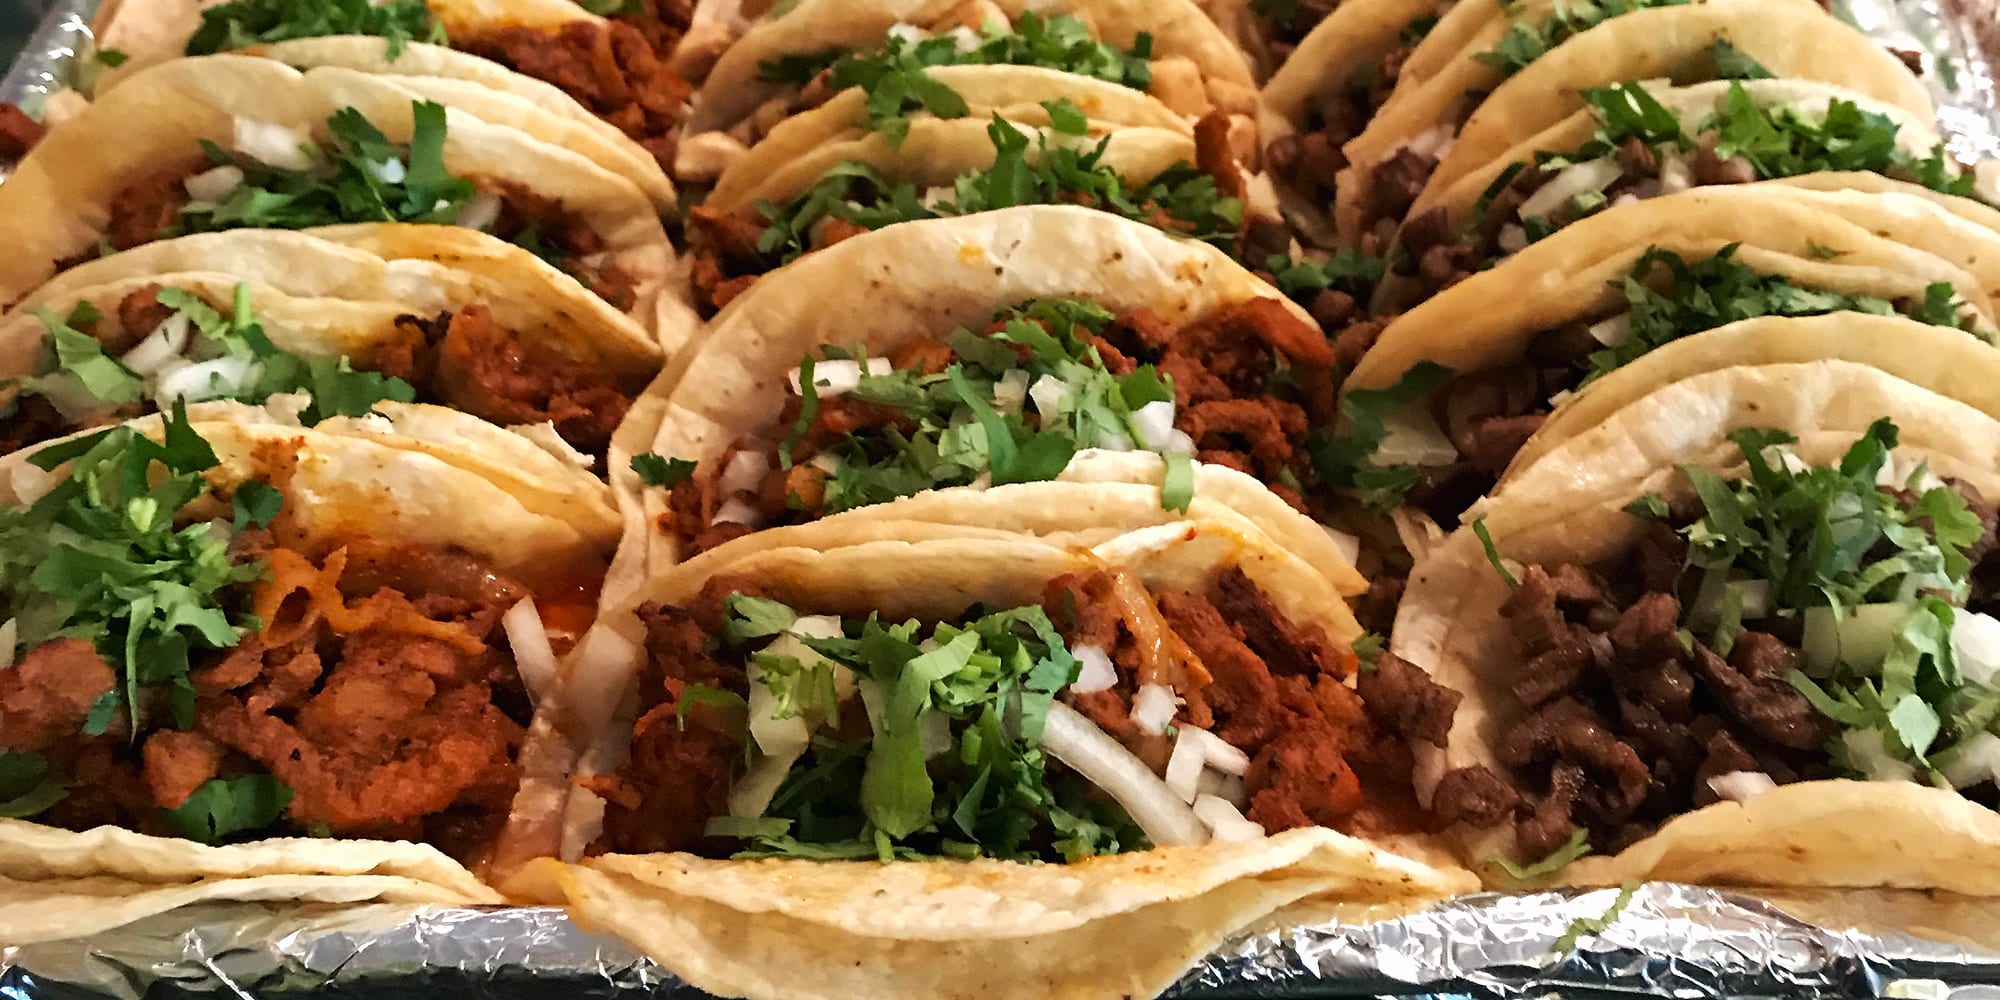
(241, 24)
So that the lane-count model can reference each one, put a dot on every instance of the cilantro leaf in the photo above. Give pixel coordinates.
(1583, 927)
(1493, 554)
(1177, 488)
(1338, 460)
(1527, 41)
(226, 807)
(1576, 847)
(657, 470)
(241, 24)
(28, 786)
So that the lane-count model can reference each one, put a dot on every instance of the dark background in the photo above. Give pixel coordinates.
(17, 21)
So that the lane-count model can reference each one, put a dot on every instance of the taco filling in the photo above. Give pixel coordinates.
(616, 68)
(163, 346)
(1044, 380)
(1107, 719)
(1642, 149)
(276, 177)
(184, 663)
(732, 249)
(1791, 624)
(973, 34)
(1454, 450)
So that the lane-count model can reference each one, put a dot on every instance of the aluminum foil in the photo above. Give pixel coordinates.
(1665, 940)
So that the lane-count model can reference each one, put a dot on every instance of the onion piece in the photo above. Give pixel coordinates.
(817, 627)
(1740, 786)
(752, 793)
(1860, 639)
(839, 376)
(1513, 238)
(1588, 177)
(225, 376)
(534, 656)
(481, 212)
(1011, 392)
(10, 634)
(1869, 753)
(1675, 174)
(1048, 394)
(1411, 436)
(1614, 331)
(776, 737)
(1971, 762)
(745, 472)
(738, 512)
(215, 183)
(1154, 422)
(1223, 821)
(1087, 750)
(1975, 646)
(1184, 767)
(1219, 754)
(1178, 443)
(1227, 787)
(272, 144)
(1095, 671)
(167, 341)
(1154, 706)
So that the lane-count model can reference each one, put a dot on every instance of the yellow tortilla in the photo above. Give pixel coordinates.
(55, 204)
(1793, 41)
(1568, 507)
(927, 278)
(342, 480)
(863, 929)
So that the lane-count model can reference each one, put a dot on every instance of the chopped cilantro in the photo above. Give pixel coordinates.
(1583, 927)
(990, 793)
(1577, 846)
(362, 177)
(1732, 63)
(27, 784)
(225, 807)
(1346, 270)
(1368, 648)
(1527, 41)
(658, 470)
(1066, 117)
(1669, 297)
(1493, 554)
(241, 24)
(1343, 460)
(1177, 489)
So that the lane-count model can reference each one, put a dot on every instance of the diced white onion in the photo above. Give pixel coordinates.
(752, 793)
(1184, 767)
(1411, 436)
(29, 483)
(1048, 393)
(1227, 787)
(1220, 754)
(1675, 174)
(934, 730)
(745, 472)
(1114, 441)
(1347, 545)
(1975, 646)
(1095, 672)
(534, 656)
(1630, 197)
(1753, 596)
(272, 144)
(909, 33)
(1513, 238)
(1870, 755)
(1011, 392)
(1223, 821)
(964, 39)
(1740, 786)
(775, 737)
(1973, 761)
(839, 376)
(1178, 443)
(827, 462)
(1860, 639)
(10, 634)
(481, 212)
(737, 512)
(1154, 706)
(1154, 422)
(816, 627)
(1614, 331)
(1560, 397)
(1087, 750)
(1588, 177)
(225, 376)
(935, 196)
(215, 183)
(164, 344)
(389, 171)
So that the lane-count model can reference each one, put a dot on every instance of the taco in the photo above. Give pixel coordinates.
(791, 199)
(789, 64)
(1474, 48)
(233, 142)
(1455, 388)
(253, 660)
(316, 317)
(1067, 724)
(1167, 368)
(1683, 634)
(1640, 140)
(1717, 40)
(608, 72)
(1334, 85)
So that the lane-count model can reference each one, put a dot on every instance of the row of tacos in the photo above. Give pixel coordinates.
(942, 552)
